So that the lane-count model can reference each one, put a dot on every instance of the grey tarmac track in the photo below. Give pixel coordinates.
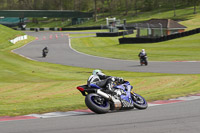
(182, 117)
(60, 52)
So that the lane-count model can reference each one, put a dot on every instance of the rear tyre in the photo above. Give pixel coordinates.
(141, 63)
(138, 101)
(146, 63)
(44, 55)
(97, 103)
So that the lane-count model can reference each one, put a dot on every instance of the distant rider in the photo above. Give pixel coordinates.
(45, 51)
(100, 79)
(142, 54)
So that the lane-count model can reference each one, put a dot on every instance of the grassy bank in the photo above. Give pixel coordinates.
(186, 48)
(184, 14)
(34, 87)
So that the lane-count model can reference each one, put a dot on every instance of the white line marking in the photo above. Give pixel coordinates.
(57, 114)
(93, 55)
(21, 54)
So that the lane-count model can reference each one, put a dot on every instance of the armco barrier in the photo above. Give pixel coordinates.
(59, 29)
(74, 29)
(109, 34)
(82, 28)
(114, 34)
(38, 29)
(19, 38)
(132, 40)
(198, 30)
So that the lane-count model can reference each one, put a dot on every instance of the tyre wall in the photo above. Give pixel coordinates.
(114, 34)
(71, 29)
(129, 40)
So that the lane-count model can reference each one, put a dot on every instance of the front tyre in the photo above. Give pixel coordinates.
(138, 101)
(97, 103)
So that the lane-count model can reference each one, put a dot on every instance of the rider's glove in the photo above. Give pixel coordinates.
(119, 80)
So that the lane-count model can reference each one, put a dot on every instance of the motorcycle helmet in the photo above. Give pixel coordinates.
(97, 72)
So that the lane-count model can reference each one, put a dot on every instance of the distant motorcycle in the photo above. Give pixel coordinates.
(99, 101)
(143, 60)
(45, 51)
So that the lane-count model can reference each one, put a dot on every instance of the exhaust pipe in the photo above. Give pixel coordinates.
(103, 94)
(116, 102)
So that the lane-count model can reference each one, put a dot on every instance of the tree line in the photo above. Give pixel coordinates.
(109, 7)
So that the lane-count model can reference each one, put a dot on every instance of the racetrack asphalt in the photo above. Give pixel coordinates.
(61, 52)
(181, 117)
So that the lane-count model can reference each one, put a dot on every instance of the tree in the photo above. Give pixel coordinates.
(95, 10)
(77, 4)
(156, 3)
(9, 4)
(61, 4)
(110, 5)
(174, 5)
(195, 3)
(148, 5)
(25, 4)
(35, 4)
(126, 7)
(136, 3)
(195, 11)
(103, 3)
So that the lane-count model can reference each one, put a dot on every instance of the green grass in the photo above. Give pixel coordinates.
(49, 23)
(7, 35)
(193, 22)
(186, 48)
(184, 14)
(34, 87)
(181, 14)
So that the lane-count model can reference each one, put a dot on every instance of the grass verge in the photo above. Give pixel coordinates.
(34, 87)
(186, 48)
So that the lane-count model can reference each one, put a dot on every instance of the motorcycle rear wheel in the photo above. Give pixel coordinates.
(44, 54)
(146, 63)
(97, 103)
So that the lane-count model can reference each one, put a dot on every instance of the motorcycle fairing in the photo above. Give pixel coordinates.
(126, 98)
(94, 86)
(84, 89)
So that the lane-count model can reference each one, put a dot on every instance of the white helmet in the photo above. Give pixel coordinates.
(143, 50)
(97, 72)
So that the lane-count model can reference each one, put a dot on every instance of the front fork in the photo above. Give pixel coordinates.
(133, 95)
(132, 92)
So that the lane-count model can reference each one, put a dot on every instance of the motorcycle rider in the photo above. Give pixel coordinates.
(142, 55)
(45, 51)
(100, 79)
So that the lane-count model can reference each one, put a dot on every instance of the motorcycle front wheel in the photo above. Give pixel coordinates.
(138, 101)
(97, 103)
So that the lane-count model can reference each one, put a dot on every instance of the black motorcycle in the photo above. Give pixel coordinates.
(45, 51)
(143, 60)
